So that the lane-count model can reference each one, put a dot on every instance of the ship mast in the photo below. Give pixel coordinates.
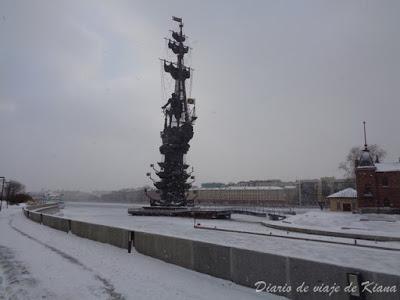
(180, 83)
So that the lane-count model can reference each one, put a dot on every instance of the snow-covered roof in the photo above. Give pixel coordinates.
(387, 167)
(289, 186)
(346, 193)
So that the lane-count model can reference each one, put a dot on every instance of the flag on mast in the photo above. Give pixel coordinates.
(177, 19)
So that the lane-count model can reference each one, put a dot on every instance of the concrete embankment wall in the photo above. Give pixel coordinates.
(242, 266)
(56, 223)
(105, 234)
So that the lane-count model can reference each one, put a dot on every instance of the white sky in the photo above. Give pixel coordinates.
(282, 88)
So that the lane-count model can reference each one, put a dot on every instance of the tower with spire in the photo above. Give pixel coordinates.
(365, 159)
(376, 182)
(365, 176)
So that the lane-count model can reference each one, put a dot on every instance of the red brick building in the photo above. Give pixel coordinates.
(378, 184)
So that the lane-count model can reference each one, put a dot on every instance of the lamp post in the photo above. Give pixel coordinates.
(2, 190)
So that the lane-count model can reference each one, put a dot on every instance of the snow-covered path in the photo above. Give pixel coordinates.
(37, 262)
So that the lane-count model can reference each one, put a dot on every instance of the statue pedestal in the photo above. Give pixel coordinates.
(188, 212)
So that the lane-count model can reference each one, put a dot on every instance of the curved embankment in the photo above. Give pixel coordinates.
(242, 266)
(357, 236)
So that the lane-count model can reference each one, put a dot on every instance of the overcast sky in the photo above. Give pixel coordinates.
(281, 87)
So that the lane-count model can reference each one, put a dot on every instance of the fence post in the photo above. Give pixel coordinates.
(131, 238)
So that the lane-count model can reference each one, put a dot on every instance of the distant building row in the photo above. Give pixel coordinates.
(270, 192)
(245, 195)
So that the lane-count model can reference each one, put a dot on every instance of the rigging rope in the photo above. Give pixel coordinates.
(191, 83)
(162, 81)
(190, 59)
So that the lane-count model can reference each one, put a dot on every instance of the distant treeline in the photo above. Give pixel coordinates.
(121, 196)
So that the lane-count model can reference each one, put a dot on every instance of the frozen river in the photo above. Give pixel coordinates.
(369, 259)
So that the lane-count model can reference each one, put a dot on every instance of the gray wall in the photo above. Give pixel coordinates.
(56, 223)
(105, 234)
(34, 216)
(246, 267)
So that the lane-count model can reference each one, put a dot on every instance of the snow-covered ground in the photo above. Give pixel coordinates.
(371, 224)
(37, 262)
(369, 259)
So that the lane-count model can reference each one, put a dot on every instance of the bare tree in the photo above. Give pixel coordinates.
(348, 165)
(12, 189)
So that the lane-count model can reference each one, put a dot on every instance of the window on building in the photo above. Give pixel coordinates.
(385, 181)
(367, 190)
(386, 202)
